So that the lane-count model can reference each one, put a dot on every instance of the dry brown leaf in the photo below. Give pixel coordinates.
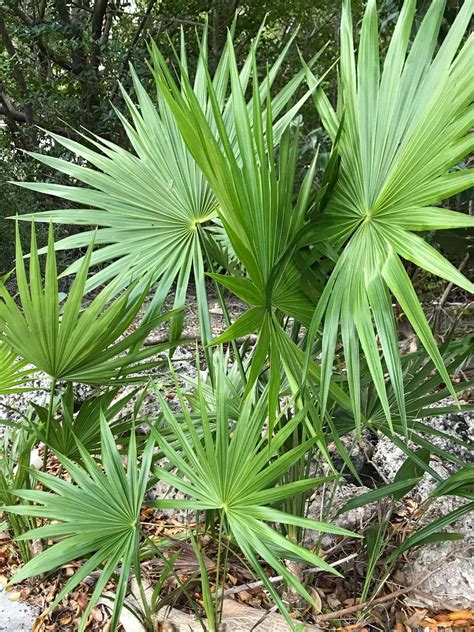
(399, 577)
(351, 601)
(96, 615)
(333, 601)
(460, 614)
(51, 594)
(38, 625)
(245, 596)
(25, 592)
(317, 607)
(82, 600)
(416, 618)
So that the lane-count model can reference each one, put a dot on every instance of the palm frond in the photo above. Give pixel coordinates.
(252, 173)
(238, 474)
(67, 343)
(405, 127)
(96, 514)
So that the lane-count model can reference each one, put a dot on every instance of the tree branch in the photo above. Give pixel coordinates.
(62, 10)
(100, 6)
(9, 111)
(135, 39)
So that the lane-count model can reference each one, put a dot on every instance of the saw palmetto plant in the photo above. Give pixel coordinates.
(149, 203)
(397, 139)
(66, 341)
(96, 513)
(213, 192)
(405, 125)
(233, 471)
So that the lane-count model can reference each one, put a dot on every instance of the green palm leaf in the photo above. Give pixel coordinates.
(66, 342)
(254, 191)
(239, 474)
(253, 176)
(403, 130)
(96, 514)
(149, 203)
(13, 372)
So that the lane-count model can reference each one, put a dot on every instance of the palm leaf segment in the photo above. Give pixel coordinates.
(97, 513)
(402, 132)
(149, 203)
(238, 474)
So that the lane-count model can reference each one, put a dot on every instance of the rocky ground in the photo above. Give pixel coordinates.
(15, 616)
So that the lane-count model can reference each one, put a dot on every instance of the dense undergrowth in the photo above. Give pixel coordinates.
(213, 190)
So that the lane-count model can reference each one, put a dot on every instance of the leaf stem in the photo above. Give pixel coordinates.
(225, 311)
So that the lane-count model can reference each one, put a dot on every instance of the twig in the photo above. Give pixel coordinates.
(449, 287)
(394, 595)
(154, 340)
(160, 338)
(278, 578)
(262, 619)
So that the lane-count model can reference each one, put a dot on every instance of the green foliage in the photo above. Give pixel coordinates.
(96, 514)
(253, 177)
(401, 136)
(13, 372)
(213, 182)
(16, 445)
(14, 201)
(235, 471)
(65, 342)
(70, 427)
(152, 204)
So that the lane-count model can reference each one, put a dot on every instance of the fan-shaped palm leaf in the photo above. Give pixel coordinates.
(253, 177)
(149, 203)
(97, 513)
(239, 475)
(402, 132)
(65, 342)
